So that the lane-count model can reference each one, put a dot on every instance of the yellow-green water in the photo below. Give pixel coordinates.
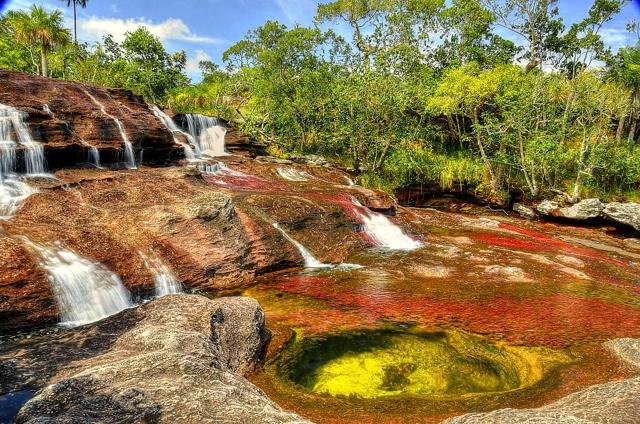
(387, 363)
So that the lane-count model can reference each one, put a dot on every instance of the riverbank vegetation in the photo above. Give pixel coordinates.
(408, 93)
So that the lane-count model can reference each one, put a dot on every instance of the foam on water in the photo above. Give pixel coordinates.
(208, 133)
(383, 232)
(166, 282)
(309, 260)
(191, 152)
(292, 174)
(84, 291)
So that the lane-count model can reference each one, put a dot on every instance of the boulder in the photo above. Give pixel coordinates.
(614, 402)
(582, 211)
(548, 207)
(627, 214)
(524, 211)
(174, 360)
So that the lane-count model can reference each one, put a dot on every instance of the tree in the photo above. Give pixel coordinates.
(76, 3)
(39, 30)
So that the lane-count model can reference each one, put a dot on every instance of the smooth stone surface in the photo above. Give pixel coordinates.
(624, 213)
(583, 210)
(172, 360)
(524, 211)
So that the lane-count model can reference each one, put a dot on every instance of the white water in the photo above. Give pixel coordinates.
(208, 133)
(219, 169)
(129, 155)
(165, 281)
(309, 260)
(191, 153)
(94, 157)
(292, 174)
(14, 134)
(13, 192)
(384, 232)
(12, 123)
(84, 291)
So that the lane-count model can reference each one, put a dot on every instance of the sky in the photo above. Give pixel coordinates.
(206, 28)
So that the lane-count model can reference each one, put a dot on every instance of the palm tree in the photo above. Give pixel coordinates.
(76, 3)
(38, 29)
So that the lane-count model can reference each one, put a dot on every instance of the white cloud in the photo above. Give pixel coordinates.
(172, 29)
(615, 36)
(297, 10)
(193, 62)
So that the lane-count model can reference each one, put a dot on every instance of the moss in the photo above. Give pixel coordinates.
(381, 363)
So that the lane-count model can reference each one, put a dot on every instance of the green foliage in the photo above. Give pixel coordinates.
(422, 92)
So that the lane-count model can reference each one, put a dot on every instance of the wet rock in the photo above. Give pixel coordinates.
(75, 122)
(169, 361)
(524, 211)
(615, 402)
(583, 210)
(310, 159)
(627, 214)
(509, 273)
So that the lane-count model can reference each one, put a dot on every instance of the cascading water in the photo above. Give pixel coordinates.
(94, 157)
(13, 192)
(84, 291)
(14, 134)
(129, 155)
(209, 134)
(384, 232)
(12, 122)
(309, 260)
(191, 153)
(166, 282)
(292, 174)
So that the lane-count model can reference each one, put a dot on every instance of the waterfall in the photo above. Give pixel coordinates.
(189, 152)
(129, 155)
(384, 232)
(47, 109)
(94, 157)
(84, 291)
(293, 174)
(14, 134)
(12, 122)
(166, 282)
(13, 192)
(309, 260)
(209, 134)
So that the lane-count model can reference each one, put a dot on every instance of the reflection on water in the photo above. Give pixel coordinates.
(11, 403)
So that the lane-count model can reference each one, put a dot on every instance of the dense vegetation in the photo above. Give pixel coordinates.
(421, 92)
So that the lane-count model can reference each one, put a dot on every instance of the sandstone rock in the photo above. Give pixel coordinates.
(583, 210)
(272, 159)
(524, 211)
(175, 360)
(548, 207)
(627, 214)
(614, 402)
(75, 122)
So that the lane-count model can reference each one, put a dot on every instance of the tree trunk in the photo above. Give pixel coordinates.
(632, 130)
(75, 21)
(487, 162)
(620, 130)
(44, 65)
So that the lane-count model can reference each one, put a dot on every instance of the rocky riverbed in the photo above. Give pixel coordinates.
(364, 310)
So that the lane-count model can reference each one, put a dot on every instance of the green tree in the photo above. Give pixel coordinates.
(38, 30)
(76, 3)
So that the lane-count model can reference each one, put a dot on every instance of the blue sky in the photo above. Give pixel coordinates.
(206, 28)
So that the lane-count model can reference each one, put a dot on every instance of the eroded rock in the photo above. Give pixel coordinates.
(173, 360)
(627, 214)
(524, 211)
(614, 402)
